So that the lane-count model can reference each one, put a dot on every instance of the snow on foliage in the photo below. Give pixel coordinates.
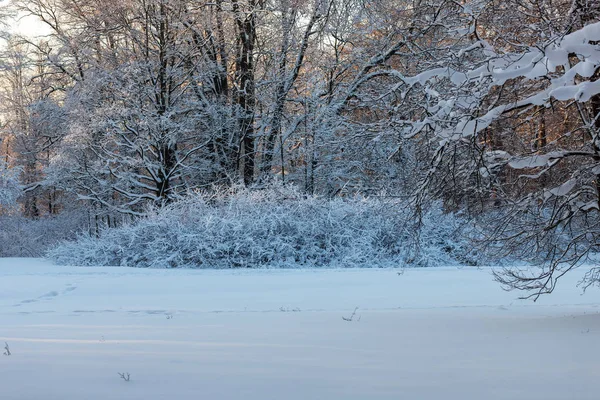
(276, 228)
(452, 116)
(483, 154)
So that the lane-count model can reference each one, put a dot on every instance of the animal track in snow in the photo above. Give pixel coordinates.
(49, 295)
(69, 288)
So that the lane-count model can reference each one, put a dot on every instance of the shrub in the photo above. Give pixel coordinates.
(277, 228)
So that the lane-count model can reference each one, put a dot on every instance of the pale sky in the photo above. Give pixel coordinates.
(25, 25)
(29, 26)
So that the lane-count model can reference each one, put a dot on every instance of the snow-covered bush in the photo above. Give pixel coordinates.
(268, 228)
(23, 237)
(440, 238)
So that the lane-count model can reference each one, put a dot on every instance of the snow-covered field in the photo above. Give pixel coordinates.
(441, 333)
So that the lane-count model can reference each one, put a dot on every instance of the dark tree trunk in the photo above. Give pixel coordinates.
(246, 101)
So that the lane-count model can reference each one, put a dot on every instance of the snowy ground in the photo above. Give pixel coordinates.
(271, 334)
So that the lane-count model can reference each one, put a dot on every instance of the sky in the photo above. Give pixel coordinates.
(29, 26)
(25, 25)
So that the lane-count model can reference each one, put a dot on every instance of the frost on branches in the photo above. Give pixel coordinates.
(477, 117)
(275, 228)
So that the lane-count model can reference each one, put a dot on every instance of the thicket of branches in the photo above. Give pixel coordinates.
(275, 228)
(489, 107)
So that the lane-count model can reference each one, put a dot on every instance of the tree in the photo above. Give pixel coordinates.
(285, 76)
(9, 187)
(146, 126)
(472, 114)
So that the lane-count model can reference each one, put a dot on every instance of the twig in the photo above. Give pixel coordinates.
(351, 317)
(124, 375)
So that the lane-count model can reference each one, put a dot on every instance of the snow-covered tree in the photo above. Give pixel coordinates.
(475, 105)
(9, 186)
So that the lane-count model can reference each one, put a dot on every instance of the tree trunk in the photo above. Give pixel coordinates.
(246, 101)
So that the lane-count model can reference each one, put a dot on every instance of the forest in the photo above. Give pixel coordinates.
(245, 133)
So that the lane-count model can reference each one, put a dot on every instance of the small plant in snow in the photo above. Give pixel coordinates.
(286, 309)
(6, 349)
(351, 317)
(125, 376)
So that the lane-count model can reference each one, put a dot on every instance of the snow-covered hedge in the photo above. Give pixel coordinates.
(272, 228)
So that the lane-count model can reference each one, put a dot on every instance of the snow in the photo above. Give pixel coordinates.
(443, 333)
(531, 65)
(534, 161)
(564, 189)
